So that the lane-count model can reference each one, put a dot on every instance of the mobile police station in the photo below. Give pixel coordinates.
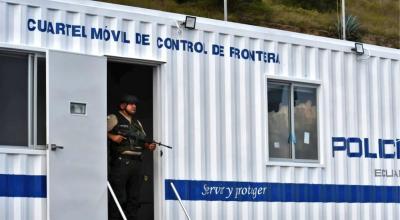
(264, 123)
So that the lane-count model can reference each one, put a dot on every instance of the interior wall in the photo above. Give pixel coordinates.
(126, 78)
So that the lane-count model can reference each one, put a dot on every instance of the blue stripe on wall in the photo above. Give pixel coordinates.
(22, 186)
(281, 192)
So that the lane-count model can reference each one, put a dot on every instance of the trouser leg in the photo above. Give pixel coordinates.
(134, 188)
(118, 177)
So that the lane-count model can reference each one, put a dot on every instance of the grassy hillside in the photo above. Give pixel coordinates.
(379, 20)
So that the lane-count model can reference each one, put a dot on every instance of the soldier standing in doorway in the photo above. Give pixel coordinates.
(127, 143)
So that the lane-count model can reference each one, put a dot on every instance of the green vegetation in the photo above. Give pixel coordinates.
(371, 21)
(353, 31)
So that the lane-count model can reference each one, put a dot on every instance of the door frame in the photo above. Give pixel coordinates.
(158, 72)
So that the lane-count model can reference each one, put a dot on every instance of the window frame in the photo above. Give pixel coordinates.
(32, 59)
(292, 83)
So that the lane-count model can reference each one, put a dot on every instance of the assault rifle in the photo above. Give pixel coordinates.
(133, 138)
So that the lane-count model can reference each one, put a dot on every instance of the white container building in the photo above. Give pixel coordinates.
(264, 123)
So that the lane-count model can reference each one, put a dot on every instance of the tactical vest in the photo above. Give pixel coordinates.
(132, 131)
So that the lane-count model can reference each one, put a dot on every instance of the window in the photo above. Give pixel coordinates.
(292, 122)
(14, 98)
(22, 93)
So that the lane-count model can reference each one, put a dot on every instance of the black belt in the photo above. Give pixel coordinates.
(131, 157)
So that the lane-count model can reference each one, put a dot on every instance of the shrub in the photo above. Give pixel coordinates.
(353, 28)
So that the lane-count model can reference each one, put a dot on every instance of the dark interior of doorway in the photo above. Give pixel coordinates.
(128, 78)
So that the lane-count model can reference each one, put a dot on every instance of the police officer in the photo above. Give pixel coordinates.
(127, 144)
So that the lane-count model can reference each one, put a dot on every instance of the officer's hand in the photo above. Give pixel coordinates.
(117, 138)
(151, 146)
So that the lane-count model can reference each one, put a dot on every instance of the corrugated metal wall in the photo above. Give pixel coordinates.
(22, 162)
(213, 110)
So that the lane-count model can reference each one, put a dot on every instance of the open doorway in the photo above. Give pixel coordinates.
(134, 79)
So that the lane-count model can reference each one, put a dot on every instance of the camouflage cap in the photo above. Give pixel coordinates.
(129, 99)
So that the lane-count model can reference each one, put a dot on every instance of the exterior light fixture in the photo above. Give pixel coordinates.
(358, 48)
(190, 22)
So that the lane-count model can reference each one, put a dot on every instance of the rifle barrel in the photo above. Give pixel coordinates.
(161, 144)
(158, 143)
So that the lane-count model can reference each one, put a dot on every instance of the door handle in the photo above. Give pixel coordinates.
(54, 147)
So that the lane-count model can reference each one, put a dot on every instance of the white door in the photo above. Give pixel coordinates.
(76, 136)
